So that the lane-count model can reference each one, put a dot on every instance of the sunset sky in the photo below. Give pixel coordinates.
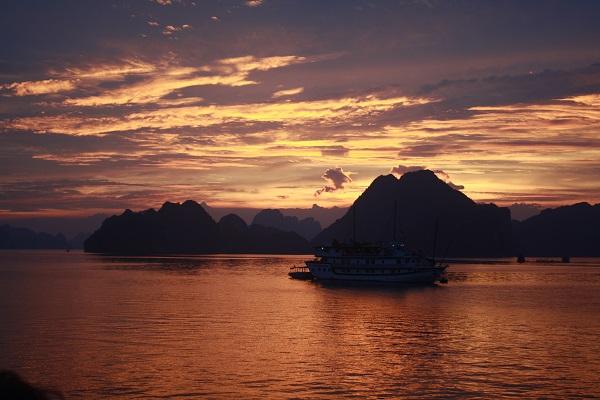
(106, 105)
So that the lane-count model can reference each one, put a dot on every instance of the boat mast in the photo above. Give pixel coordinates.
(354, 223)
(435, 235)
(395, 218)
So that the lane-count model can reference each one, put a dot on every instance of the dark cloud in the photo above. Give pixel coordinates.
(65, 194)
(551, 196)
(434, 146)
(534, 86)
(454, 186)
(339, 151)
(336, 178)
(446, 178)
(334, 150)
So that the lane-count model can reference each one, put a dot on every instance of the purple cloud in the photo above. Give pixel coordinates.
(336, 178)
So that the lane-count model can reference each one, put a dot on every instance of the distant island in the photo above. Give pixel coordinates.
(188, 228)
(417, 200)
(308, 228)
(557, 232)
(22, 238)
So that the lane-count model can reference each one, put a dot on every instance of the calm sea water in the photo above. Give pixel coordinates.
(237, 327)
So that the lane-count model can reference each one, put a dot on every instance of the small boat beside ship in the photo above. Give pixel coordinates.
(301, 273)
(382, 263)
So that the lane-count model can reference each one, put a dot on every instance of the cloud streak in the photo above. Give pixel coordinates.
(233, 72)
(46, 86)
(321, 112)
(287, 92)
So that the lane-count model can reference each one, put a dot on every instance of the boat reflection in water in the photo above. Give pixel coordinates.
(383, 263)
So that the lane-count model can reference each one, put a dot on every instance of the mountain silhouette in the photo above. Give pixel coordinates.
(325, 216)
(307, 227)
(174, 228)
(420, 199)
(22, 238)
(187, 228)
(77, 241)
(564, 231)
(237, 237)
(70, 226)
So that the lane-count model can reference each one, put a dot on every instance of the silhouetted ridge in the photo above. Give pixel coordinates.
(466, 228)
(324, 216)
(22, 238)
(564, 231)
(187, 228)
(232, 223)
(425, 184)
(175, 228)
(306, 227)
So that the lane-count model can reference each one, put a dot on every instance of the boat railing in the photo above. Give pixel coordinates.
(299, 268)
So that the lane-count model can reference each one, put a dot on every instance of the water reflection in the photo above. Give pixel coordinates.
(221, 327)
(168, 265)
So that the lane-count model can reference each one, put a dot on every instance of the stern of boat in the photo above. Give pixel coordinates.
(320, 270)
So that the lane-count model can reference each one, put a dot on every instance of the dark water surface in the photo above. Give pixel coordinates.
(237, 327)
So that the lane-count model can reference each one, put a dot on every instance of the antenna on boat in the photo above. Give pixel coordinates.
(435, 236)
(354, 223)
(395, 218)
(451, 242)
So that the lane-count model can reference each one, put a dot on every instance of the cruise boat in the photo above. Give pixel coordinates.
(386, 263)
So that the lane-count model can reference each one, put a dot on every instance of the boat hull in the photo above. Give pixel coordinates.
(400, 275)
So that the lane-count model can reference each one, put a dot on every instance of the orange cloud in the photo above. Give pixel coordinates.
(171, 29)
(254, 3)
(328, 111)
(165, 80)
(109, 71)
(287, 92)
(47, 86)
(71, 78)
